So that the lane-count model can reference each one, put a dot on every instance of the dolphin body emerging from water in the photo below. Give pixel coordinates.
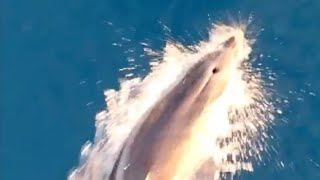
(161, 147)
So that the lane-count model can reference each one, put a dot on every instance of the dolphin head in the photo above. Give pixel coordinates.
(208, 78)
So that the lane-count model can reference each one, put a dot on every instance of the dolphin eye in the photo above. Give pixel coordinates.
(215, 70)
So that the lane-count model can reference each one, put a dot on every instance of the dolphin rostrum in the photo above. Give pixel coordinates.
(161, 148)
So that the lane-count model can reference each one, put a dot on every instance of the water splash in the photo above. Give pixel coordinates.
(244, 112)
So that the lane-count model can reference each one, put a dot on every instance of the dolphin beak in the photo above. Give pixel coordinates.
(230, 43)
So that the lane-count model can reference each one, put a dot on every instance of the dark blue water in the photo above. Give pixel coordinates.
(57, 58)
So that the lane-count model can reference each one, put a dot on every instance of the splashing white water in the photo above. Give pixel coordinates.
(244, 111)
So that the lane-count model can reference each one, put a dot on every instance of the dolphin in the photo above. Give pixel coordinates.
(161, 147)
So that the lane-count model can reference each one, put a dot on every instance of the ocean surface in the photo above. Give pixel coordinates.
(57, 57)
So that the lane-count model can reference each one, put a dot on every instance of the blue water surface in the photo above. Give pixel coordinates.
(57, 58)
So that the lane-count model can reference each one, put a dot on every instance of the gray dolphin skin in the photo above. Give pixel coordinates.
(154, 148)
